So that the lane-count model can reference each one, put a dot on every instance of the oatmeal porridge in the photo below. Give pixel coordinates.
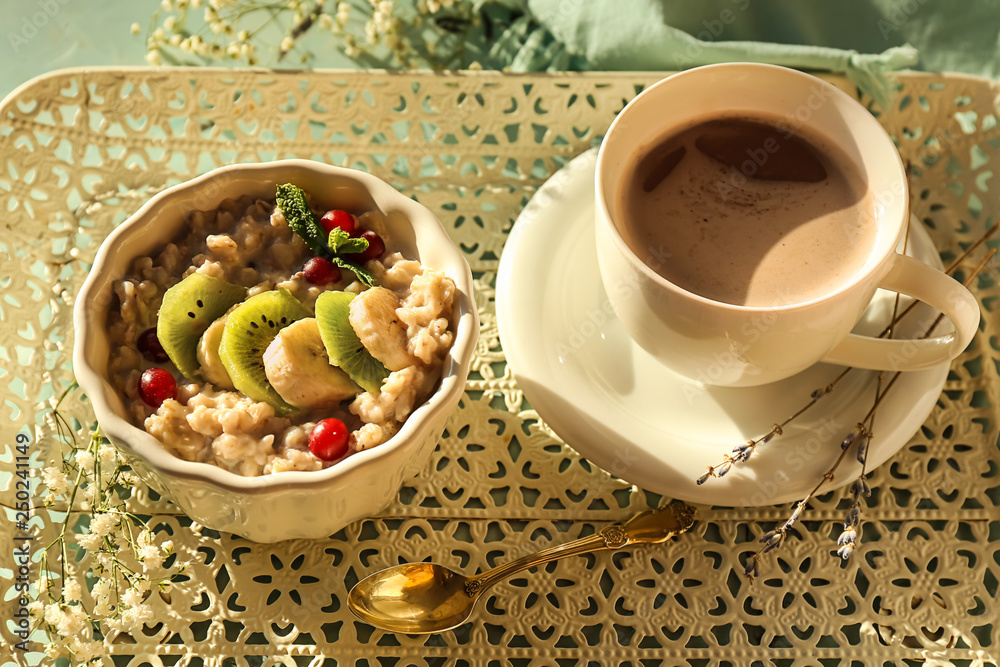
(270, 338)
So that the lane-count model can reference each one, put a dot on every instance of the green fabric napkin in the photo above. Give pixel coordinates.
(635, 35)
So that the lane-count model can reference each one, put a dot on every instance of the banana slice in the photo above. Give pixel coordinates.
(373, 318)
(298, 368)
(207, 352)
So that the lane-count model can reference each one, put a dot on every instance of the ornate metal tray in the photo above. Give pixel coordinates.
(81, 149)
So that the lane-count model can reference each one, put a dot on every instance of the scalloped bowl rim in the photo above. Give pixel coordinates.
(145, 446)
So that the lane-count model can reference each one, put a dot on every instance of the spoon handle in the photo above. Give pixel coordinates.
(648, 527)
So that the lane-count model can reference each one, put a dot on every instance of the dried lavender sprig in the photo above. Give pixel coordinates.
(776, 537)
(742, 453)
(847, 542)
(862, 433)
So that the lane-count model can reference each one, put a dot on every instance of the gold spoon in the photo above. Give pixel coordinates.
(419, 598)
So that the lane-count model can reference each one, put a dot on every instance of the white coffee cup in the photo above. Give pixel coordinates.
(733, 345)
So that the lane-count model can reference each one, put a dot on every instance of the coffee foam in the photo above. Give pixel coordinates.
(742, 240)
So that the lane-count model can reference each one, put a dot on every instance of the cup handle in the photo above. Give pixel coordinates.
(935, 288)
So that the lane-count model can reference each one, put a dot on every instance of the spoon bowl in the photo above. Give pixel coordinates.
(386, 598)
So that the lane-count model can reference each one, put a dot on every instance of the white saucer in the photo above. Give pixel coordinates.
(626, 412)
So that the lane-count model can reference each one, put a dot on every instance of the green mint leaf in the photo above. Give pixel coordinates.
(365, 277)
(341, 243)
(292, 202)
(352, 246)
(336, 239)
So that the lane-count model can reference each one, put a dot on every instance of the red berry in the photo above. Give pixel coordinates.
(149, 346)
(328, 439)
(157, 385)
(337, 218)
(320, 271)
(376, 246)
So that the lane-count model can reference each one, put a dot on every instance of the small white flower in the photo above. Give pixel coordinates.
(153, 58)
(103, 608)
(325, 21)
(102, 524)
(104, 560)
(343, 12)
(151, 557)
(243, 35)
(91, 494)
(71, 590)
(132, 598)
(89, 541)
(169, 24)
(134, 617)
(56, 480)
(53, 614)
(102, 588)
(73, 621)
(167, 5)
(158, 36)
(287, 44)
(36, 609)
(86, 649)
(102, 591)
(135, 28)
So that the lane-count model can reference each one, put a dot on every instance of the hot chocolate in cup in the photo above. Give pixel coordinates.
(746, 215)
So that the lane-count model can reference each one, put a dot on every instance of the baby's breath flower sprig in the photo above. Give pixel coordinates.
(860, 437)
(440, 34)
(122, 555)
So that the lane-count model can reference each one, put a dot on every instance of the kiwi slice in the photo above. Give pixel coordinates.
(188, 308)
(343, 345)
(249, 329)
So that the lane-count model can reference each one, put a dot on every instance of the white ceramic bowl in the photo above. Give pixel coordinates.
(283, 505)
